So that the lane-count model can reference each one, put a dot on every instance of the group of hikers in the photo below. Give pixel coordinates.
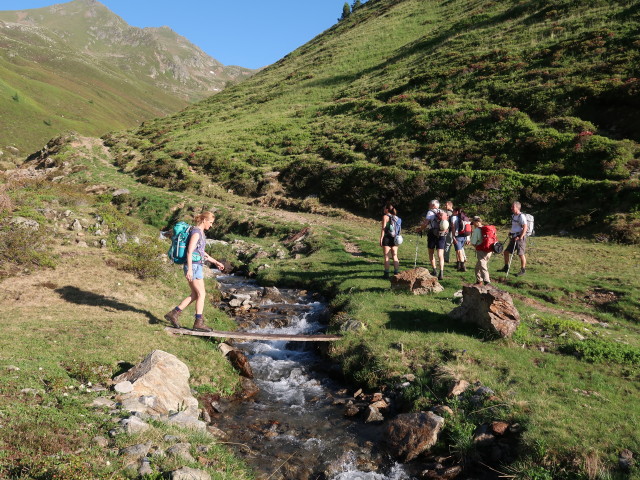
(449, 227)
(444, 228)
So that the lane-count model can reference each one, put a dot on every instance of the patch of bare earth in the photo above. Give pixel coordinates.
(556, 311)
(354, 250)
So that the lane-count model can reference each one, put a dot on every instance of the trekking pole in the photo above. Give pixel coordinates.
(510, 259)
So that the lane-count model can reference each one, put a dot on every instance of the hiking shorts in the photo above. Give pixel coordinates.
(196, 268)
(434, 241)
(520, 246)
(388, 241)
(459, 243)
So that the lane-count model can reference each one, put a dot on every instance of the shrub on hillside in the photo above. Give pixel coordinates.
(144, 259)
(603, 351)
(365, 187)
(24, 246)
(625, 228)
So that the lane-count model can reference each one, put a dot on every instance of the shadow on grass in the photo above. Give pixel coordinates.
(82, 297)
(426, 321)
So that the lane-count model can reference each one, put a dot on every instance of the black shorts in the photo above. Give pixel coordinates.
(388, 241)
(436, 241)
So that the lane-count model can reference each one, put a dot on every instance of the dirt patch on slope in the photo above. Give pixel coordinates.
(556, 311)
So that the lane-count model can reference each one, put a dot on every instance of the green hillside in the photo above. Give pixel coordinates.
(484, 102)
(567, 381)
(77, 66)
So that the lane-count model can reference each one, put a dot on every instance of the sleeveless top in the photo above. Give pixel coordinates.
(199, 245)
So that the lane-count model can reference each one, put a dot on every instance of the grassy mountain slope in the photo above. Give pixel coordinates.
(484, 102)
(79, 66)
(567, 380)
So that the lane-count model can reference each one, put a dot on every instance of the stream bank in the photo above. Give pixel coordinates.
(296, 424)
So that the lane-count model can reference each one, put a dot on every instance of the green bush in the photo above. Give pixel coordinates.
(144, 259)
(24, 246)
(603, 351)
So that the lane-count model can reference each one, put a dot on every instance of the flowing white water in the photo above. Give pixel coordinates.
(293, 420)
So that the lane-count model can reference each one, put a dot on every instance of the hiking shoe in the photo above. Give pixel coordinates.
(385, 275)
(440, 275)
(521, 272)
(199, 326)
(504, 269)
(463, 267)
(434, 272)
(172, 318)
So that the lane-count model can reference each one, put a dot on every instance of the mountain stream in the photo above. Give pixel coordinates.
(295, 427)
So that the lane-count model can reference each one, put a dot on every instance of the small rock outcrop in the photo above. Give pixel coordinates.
(160, 385)
(186, 473)
(488, 307)
(410, 434)
(417, 281)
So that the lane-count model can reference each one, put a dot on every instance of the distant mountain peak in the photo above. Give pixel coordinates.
(90, 56)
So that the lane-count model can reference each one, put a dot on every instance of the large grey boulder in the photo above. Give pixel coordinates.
(165, 378)
(410, 434)
(417, 281)
(488, 307)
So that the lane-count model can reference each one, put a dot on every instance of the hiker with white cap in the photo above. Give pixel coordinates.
(436, 224)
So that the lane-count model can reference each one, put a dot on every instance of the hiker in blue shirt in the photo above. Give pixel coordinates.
(194, 274)
(388, 241)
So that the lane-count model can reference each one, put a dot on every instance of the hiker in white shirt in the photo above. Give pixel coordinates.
(518, 239)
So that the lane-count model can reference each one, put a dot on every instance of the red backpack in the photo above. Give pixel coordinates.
(489, 237)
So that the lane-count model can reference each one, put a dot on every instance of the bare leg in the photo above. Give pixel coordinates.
(386, 251)
(198, 285)
(396, 262)
(432, 258)
(191, 298)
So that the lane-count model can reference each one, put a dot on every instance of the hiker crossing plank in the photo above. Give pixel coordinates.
(255, 335)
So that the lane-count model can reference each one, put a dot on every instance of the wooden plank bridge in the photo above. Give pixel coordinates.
(255, 335)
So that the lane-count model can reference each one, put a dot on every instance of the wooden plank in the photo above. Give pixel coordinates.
(255, 336)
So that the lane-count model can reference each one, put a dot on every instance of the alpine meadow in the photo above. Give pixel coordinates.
(480, 102)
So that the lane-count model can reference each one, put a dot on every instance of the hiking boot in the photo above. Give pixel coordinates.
(504, 269)
(199, 326)
(441, 275)
(463, 267)
(458, 266)
(434, 272)
(396, 272)
(172, 318)
(521, 272)
(385, 275)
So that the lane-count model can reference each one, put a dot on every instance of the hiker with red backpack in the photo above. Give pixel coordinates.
(483, 238)
(193, 272)
(390, 238)
(461, 230)
(436, 223)
(518, 240)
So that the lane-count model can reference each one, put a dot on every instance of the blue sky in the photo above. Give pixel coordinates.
(249, 33)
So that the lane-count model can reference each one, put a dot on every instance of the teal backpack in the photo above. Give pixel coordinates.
(178, 250)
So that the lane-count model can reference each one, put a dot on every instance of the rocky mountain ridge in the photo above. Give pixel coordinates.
(88, 28)
(78, 66)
